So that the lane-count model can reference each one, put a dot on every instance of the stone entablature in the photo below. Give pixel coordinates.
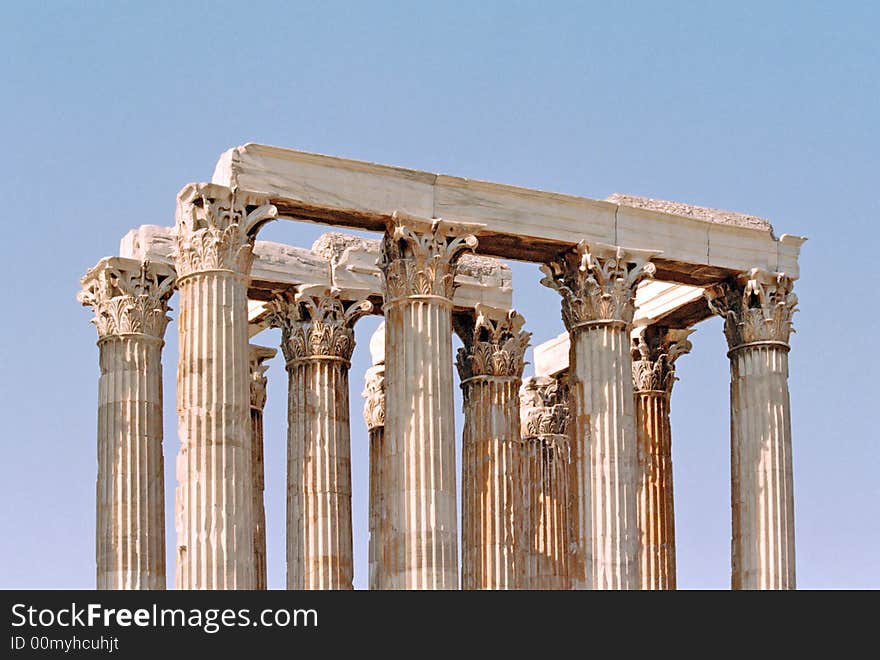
(518, 223)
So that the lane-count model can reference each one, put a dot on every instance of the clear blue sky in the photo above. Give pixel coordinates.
(766, 108)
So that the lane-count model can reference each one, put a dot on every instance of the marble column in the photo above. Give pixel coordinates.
(214, 235)
(757, 312)
(374, 417)
(130, 301)
(258, 355)
(654, 354)
(317, 339)
(490, 365)
(598, 286)
(418, 264)
(545, 484)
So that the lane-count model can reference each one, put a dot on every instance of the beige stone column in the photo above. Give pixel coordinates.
(598, 285)
(130, 301)
(654, 355)
(757, 314)
(317, 340)
(258, 355)
(418, 264)
(490, 365)
(374, 417)
(545, 484)
(214, 237)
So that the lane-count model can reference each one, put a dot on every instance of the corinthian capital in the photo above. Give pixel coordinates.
(316, 325)
(419, 258)
(215, 228)
(374, 397)
(128, 296)
(654, 354)
(543, 407)
(257, 356)
(757, 309)
(492, 347)
(597, 282)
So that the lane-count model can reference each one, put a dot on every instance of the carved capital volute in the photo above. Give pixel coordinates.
(215, 228)
(316, 325)
(493, 346)
(374, 397)
(543, 407)
(654, 353)
(419, 257)
(257, 356)
(757, 309)
(129, 297)
(597, 283)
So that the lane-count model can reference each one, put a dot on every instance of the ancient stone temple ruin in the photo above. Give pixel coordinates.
(566, 476)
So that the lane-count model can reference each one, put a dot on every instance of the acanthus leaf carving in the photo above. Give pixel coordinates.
(215, 228)
(418, 259)
(128, 297)
(544, 407)
(654, 354)
(758, 308)
(493, 347)
(597, 283)
(316, 325)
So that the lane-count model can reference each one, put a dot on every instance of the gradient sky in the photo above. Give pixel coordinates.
(764, 108)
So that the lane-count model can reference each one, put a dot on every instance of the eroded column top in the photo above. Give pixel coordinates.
(215, 228)
(757, 309)
(419, 257)
(494, 344)
(544, 407)
(598, 283)
(129, 297)
(316, 325)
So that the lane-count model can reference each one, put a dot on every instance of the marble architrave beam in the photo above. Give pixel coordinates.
(697, 245)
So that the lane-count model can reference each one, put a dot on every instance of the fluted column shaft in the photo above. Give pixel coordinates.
(215, 492)
(602, 381)
(130, 302)
(131, 470)
(418, 264)
(598, 284)
(757, 312)
(654, 355)
(546, 476)
(258, 384)
(374, 417)
(318, 340)
(655, 505)
(213, 254)
(493, 554)
(377, 514)
(490, 365)
(762, 495)
(319, 542)
(420, 445)
(546, 484)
